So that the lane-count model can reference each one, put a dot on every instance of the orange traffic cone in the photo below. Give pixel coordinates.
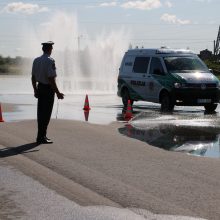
(1, 118)
(128, 114)
(86, 114)
(129, 130)
(86, 105)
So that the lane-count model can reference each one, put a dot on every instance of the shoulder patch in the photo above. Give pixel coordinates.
(50, 58)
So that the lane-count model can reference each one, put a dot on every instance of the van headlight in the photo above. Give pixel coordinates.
(179, 85)
(218, 85)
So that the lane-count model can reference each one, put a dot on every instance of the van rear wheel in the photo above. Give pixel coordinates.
(166, 103)
(210, 107)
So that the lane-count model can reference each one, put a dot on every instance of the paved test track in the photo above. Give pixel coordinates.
(94, 165)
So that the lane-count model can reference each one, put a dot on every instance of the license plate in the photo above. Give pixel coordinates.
(203, 101)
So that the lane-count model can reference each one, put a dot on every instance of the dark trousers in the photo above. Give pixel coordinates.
(44, 108)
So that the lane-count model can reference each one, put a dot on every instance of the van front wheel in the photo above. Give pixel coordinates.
(126, 97)
(166, 103)
(210, 107)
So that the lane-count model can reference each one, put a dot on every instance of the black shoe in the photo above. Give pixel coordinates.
(47, 138)
(44, 141)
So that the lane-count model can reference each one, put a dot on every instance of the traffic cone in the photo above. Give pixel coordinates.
(1, 118)
(128, 114)
(129, 130)
(86, 114)
(86, 105)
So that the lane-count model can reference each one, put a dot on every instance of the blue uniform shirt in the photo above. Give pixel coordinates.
(43, 68)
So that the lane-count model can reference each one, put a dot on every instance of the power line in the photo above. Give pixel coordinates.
(115, 22)
(23, 36)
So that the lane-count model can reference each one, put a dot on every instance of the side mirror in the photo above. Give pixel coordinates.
(211, 70)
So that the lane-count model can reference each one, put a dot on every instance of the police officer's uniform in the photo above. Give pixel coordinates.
(43, 68)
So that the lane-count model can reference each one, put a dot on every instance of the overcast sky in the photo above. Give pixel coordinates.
(150, 23)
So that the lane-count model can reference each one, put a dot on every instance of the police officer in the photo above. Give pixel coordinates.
(45, 87)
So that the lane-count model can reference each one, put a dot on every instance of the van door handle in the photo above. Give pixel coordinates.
(144, 75)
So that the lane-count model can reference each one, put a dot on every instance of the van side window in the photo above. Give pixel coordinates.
(156, 67)
(141, 64)
(128, 64)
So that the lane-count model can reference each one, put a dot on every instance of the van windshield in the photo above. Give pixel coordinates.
(184, 64)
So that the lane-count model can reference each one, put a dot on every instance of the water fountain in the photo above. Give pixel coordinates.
(83, 64)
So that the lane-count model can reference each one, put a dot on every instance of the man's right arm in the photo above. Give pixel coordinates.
(33, 79)
(34, 84)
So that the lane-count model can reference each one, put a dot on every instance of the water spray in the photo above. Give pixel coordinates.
(77, 53)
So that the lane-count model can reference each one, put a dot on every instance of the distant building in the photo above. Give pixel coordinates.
(205, 54)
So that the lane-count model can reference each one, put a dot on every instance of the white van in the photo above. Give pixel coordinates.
(169, 77)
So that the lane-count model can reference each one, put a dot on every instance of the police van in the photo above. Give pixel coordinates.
(169, 77)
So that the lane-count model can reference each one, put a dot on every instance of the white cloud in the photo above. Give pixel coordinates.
(208, 1)
(108, 4)
(25, 8)
(169, 4)
(142, 5)
(46, 24)
(172, 19)
(212, 22)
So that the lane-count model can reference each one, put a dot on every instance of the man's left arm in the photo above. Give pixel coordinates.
(52, 82)
(52, 78)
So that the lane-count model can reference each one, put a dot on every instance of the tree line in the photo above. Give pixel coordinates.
(17, 65)
(214, 65)
(12, 66)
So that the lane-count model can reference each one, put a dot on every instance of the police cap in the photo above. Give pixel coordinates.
(48, 43)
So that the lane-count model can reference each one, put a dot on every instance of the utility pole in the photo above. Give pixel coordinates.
(216, 44)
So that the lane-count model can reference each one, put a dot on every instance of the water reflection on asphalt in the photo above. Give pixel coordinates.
(187, 129)
(194, 133)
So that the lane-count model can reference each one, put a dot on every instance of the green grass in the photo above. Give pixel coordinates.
(214, 65)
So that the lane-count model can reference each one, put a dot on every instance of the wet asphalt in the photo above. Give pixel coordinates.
(187, 129)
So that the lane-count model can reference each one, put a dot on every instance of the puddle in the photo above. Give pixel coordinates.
(194, 140)
(187, 129)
